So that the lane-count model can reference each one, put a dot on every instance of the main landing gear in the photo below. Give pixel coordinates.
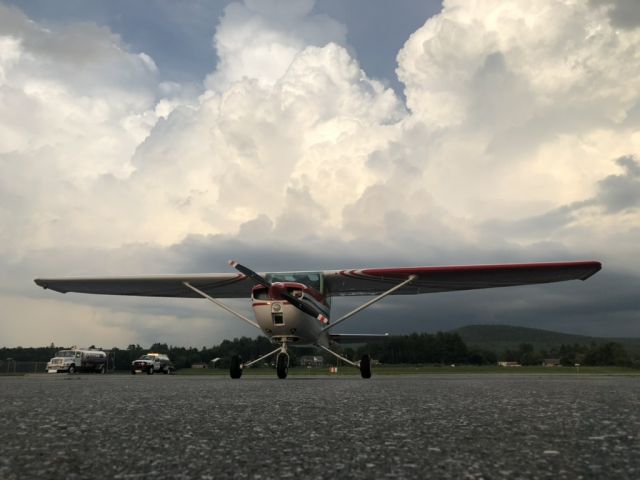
(235, 370)
(364, 365)
(282, 362)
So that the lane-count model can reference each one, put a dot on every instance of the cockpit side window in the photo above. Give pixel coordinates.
(310, 279)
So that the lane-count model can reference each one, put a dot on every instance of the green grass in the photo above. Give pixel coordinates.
(383, 370)
(424, 369)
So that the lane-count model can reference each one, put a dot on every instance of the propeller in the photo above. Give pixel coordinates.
(250, 273)
(296, 302)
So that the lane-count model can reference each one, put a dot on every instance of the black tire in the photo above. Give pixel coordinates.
(133, 372)
(166, 370)
(72, 368)
(235, 370)
(365, 366)
(101, 369)
(282, 365)
(150, 370)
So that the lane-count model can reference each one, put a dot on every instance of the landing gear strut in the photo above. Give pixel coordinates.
(282, 362)
(364, 365)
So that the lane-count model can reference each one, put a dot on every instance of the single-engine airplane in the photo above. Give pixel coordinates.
(292, 308)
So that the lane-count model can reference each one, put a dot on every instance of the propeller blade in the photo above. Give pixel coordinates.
(304, 307)
(250, 273)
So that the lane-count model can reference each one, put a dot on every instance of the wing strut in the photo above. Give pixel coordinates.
(222, 305)
(370, 302)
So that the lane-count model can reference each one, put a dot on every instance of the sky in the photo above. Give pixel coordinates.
(171, 136)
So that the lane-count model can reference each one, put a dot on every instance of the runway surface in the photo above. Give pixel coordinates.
(429, 426)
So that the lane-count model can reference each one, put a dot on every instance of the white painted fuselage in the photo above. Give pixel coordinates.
(283, 322)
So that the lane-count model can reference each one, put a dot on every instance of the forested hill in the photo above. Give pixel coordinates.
(499, 338)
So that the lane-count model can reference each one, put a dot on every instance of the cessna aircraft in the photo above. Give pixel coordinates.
(292, 308)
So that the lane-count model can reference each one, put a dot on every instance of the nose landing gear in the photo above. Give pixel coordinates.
(282, 365)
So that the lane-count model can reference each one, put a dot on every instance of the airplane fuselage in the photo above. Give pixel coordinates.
(283, 322)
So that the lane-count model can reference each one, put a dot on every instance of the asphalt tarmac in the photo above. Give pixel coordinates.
(428, 426)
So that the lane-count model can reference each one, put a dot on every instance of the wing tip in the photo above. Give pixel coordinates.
(45, 284)
(596, 267)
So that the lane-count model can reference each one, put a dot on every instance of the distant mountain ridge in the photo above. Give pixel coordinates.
(498, 338)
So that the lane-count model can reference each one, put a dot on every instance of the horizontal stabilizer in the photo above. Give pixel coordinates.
(357, 337)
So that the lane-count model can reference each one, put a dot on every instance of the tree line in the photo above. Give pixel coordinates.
(417, 348)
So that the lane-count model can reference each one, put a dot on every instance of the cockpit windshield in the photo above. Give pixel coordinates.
(310, 279)
(66, 353)
(147, 357)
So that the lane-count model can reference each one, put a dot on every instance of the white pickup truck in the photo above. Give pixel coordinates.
(75, 360)
(152, 363)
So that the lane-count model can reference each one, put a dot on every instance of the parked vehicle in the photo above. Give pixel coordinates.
(152, 363)
(76, 360)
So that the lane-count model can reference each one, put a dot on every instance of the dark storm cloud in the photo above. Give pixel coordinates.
(615, 193)
(620, 192)
(623, 13)
(605, 305)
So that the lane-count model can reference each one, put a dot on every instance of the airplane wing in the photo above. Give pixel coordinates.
(374, 281)
(370, 281)
(220, 285)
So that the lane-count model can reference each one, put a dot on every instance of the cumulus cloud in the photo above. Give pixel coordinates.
(293, 157)
(260, 39)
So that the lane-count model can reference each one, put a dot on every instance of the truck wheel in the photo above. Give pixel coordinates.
(133, 372)
(72, 368)
(102, 369)
(150, 370)
(166, 371)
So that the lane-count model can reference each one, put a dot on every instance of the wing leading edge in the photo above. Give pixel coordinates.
(373, 281)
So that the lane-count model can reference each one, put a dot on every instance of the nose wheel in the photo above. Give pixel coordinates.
(282, 365)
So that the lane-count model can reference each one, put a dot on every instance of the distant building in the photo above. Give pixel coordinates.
(551, 362)
(509, 364)
(311, 361)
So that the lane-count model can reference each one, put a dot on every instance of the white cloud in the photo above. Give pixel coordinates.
(258, 40)
(513, 110)
(523, 103)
